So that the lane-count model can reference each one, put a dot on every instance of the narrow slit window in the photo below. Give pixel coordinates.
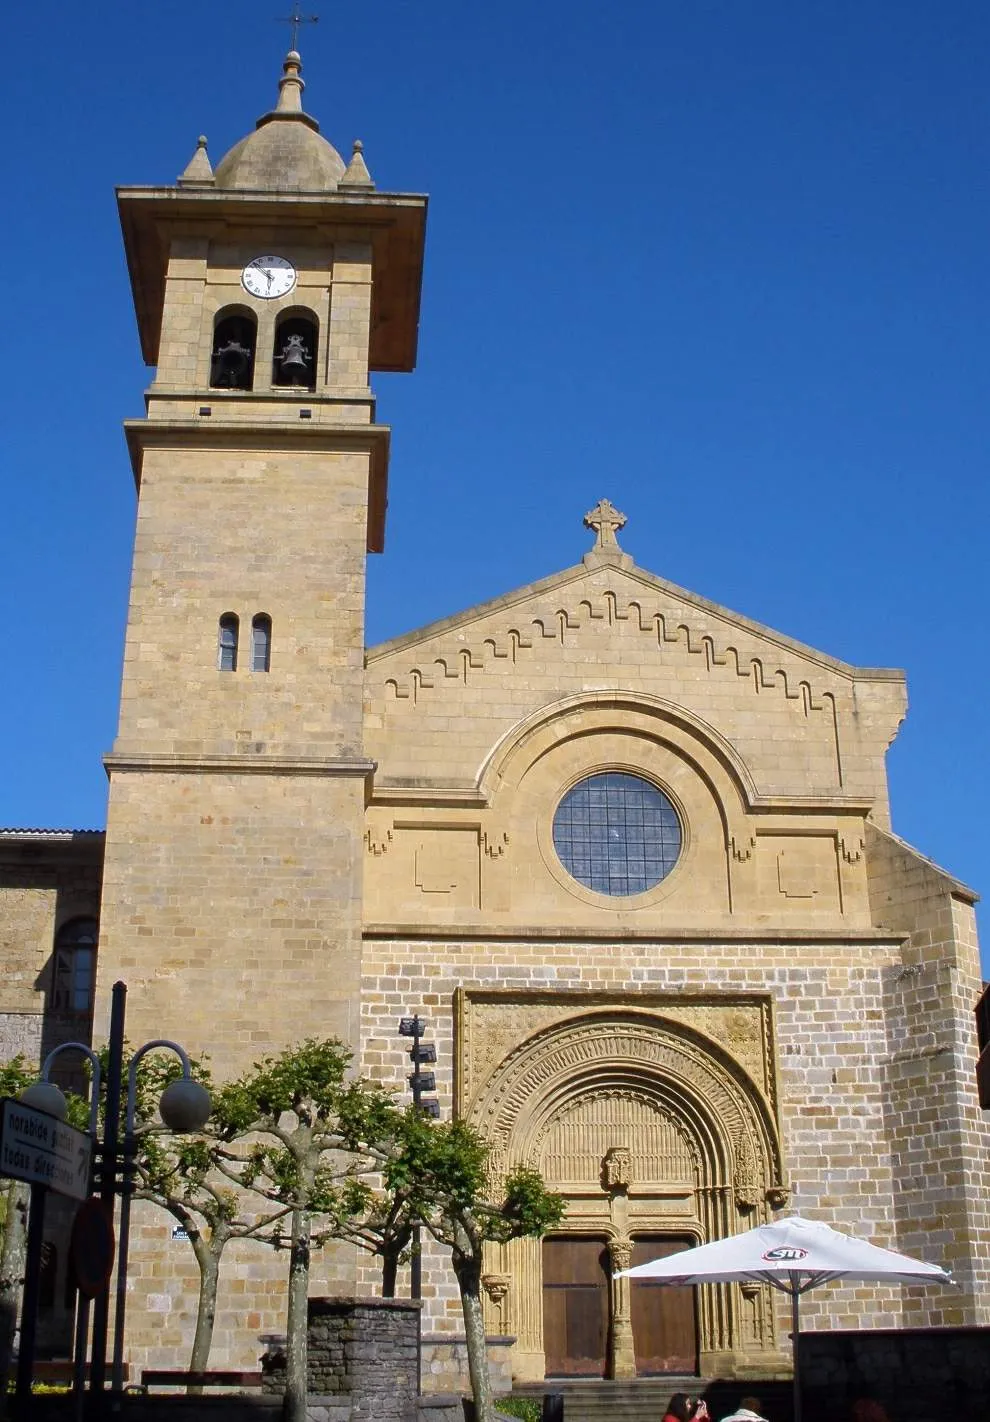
(227, 642)
(261, 643)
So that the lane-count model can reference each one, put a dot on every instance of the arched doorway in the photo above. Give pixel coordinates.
(657, 1139)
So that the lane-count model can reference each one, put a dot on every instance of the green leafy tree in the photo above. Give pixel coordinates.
(293, 1131)
(443, 1172)
(180, 1175)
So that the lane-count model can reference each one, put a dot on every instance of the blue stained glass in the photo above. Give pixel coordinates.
(617, 834)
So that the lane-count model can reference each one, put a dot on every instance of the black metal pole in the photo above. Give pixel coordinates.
(108, 1176)
(29, 1302)
(416, 1261)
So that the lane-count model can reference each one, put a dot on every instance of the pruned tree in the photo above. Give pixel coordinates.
(180, 1175)
(442, 1171)
(292, 1130)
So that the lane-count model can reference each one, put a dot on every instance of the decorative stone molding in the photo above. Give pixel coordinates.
(778, 1196)
(747, 1186)
(610, 609)
(497, 1287)
(619, 1254)
(377, 841)
(851, 848)
(617, 1169)
(494, 843)
(490, 1023)
(742, 847)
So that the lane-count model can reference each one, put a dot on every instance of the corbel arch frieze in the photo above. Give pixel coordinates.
(686, 1074)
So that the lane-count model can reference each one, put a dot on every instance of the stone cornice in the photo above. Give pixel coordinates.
(238, 764)
(438, 795)
(564, 934)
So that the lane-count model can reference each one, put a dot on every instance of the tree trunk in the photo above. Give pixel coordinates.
(12, 1259)
(467, 1268)
(296, 1366)
(208, 1254)
(390, 1267)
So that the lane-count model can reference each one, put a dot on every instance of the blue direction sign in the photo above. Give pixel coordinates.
(42, 1150)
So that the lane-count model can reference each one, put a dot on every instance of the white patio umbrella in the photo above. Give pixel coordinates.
(794, 1255)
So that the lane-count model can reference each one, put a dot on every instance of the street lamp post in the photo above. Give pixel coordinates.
(419, 1081)
(44, 1095)
(184, 1107)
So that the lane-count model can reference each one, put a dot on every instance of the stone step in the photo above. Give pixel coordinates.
(645, 1399)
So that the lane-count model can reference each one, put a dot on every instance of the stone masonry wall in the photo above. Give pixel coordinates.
(831, 1037)
(940, 1152)
(362, 1352)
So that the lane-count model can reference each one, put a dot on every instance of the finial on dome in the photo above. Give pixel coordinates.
(356, 174)
(198, 171)
(291, 85)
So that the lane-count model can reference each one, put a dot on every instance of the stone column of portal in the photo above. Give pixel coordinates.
(622, 1360)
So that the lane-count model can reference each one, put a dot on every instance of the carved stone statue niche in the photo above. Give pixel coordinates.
(617, 1169)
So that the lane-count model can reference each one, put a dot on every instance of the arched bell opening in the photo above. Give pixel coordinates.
(295, 350)
(235, 340)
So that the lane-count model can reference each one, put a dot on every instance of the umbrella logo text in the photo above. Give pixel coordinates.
(786, 1254)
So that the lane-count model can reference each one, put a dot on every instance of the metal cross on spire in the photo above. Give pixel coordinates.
(295, 20)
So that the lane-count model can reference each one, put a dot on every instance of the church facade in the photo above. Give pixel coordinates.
(627, 852)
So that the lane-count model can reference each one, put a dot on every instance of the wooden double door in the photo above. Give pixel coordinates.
(578, 1301)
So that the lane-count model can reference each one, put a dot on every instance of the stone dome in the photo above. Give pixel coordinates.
(285, 153)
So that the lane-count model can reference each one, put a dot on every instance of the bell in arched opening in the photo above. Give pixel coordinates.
(234, 342)
(294, 360)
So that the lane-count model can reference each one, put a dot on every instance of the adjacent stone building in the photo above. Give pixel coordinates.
(627, 851)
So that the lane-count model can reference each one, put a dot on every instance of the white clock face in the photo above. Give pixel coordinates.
(268, 277)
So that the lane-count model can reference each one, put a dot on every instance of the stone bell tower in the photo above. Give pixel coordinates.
(266, 291)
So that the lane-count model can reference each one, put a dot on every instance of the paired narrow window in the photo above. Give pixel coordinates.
(227, 642)
(261, 642)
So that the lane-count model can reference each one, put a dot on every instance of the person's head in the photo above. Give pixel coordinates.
(679, 1406)
(752, 1404)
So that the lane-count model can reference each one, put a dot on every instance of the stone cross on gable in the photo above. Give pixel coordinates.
(606, 521)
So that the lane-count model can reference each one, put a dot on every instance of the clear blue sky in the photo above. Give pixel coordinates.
(724, 263)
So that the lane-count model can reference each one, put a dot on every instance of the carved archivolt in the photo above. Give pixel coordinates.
(644, 1118)
(565, 1091)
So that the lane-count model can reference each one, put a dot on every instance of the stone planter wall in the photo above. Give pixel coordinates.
(362, 1360)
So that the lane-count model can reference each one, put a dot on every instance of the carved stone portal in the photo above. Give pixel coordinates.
(648, 1123)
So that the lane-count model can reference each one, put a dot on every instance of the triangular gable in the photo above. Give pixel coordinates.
(804, 721)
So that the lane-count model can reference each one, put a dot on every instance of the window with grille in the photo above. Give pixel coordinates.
(617, 833)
